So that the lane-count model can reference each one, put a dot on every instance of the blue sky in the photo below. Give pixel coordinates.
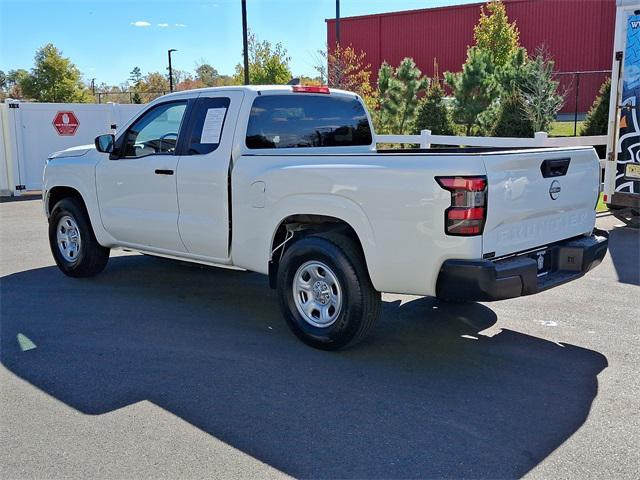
(103, 39)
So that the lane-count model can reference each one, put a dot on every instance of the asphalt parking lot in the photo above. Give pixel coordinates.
(158, 369)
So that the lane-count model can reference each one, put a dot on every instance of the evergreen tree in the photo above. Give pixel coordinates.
(597, 120)
(432, 112)
(511, 120)
(398, 96)
(474, 88)
(135, 76)
(539, 92)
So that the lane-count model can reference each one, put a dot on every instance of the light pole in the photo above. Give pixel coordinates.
(338, 22)
(170, 69)
(245, 42)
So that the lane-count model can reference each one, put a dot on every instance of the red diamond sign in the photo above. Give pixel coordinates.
(66, 123)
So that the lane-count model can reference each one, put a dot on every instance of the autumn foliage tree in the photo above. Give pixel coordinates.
(494, 33)
(344, 68)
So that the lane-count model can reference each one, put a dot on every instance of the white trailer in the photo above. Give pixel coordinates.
(30, 132)
(621, 190)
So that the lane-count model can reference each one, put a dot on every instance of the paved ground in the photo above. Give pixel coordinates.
(158, 369)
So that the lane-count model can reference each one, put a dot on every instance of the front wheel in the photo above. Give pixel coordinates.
(73, 243)
(325, 292)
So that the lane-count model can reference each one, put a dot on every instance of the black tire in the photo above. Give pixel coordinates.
(360, 302)
(91, 257)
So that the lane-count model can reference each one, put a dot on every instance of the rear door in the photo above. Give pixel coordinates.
(539, 197)
(203, 175)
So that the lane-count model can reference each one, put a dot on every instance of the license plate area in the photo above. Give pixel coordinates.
(557, 258)
(544, 260)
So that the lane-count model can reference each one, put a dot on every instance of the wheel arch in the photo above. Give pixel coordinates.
(296, 226)
(59, 192)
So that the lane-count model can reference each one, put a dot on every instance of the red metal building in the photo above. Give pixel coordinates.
(577, 33)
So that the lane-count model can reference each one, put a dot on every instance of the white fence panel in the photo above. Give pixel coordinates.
(35, 130)
(541, 139)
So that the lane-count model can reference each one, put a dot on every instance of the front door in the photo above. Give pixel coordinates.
(137, 186)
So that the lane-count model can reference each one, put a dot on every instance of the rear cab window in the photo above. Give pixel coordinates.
(302, 120)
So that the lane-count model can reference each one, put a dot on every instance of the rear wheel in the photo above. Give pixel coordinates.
(73, 243)
(325, 292)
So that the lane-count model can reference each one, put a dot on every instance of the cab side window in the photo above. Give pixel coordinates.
(156, 132)
(206, 125)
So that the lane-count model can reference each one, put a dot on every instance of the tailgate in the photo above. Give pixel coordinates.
(539, 197)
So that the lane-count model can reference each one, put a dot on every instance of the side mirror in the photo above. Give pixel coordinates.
(104, 143)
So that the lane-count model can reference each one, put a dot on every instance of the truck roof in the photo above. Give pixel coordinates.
(253, 89)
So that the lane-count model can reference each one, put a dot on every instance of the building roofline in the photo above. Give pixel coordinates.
(420, 10)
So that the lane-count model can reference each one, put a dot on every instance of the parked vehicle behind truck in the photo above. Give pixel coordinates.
(622, 168)
(286, 181)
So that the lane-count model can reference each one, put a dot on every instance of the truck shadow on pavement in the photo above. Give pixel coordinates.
(424, 396)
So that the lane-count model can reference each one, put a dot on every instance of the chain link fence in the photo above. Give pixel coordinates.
(129, 96)
(580, 89)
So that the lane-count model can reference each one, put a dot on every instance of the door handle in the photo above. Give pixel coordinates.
(164, 172)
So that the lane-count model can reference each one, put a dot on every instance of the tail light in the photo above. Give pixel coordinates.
(468, 210)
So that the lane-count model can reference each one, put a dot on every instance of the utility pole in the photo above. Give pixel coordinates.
(338, 22)
(93, 86)
(245, 42)
(170, 69)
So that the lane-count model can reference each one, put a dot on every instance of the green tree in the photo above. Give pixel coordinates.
(511, 120)
(597, 120)
(268, 64)
(54, 78)
(506, 116)
(208, 75)
(12, 82)
(474, 88)
(539, 92)
(495, 35)
(388, 99)
(398, 92)
(432, 112)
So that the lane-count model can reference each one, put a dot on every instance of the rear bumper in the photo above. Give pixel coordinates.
(486, 280)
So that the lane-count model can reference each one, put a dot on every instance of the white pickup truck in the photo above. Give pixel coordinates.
(287, 181)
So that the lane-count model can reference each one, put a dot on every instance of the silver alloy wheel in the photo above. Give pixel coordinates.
(317, 294)
(68, 237)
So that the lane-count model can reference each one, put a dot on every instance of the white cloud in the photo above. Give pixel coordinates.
(180, 25)
(141, 23)
(163, 25)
